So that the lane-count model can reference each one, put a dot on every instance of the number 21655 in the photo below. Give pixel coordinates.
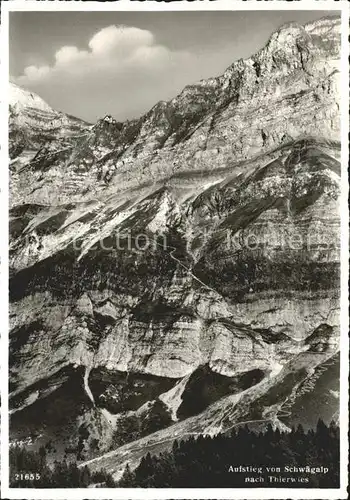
(28, 476)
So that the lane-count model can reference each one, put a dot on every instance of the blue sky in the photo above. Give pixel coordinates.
(92, 63)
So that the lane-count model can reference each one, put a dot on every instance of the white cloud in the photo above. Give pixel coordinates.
(117, 48)
(35, 73)
(122, 71)
(69, 54)
(122, 40)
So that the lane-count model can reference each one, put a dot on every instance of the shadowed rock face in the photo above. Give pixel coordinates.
(187, 261)
(206, 386)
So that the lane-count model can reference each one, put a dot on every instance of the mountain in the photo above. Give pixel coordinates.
(33, 124)
(178, 274)
(283, 92)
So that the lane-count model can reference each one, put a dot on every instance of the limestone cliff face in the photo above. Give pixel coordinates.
(285, 91)
(195, 247)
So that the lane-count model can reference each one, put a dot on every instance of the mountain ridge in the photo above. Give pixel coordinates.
(233, 302)
(165, 123)
(320, 25)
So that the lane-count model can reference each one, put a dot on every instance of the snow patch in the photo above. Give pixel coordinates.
(159, 222)
(86, 384)
(21, 98)
(172, 399)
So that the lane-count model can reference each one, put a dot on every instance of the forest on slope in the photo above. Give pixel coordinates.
(310, 458)
(295, 459)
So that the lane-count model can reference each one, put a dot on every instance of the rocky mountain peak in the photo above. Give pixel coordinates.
(329, 26)
(296, 67)
(108, 123)
(190, 253)
(20, 98)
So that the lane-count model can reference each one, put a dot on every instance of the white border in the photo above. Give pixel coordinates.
(175, 493)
